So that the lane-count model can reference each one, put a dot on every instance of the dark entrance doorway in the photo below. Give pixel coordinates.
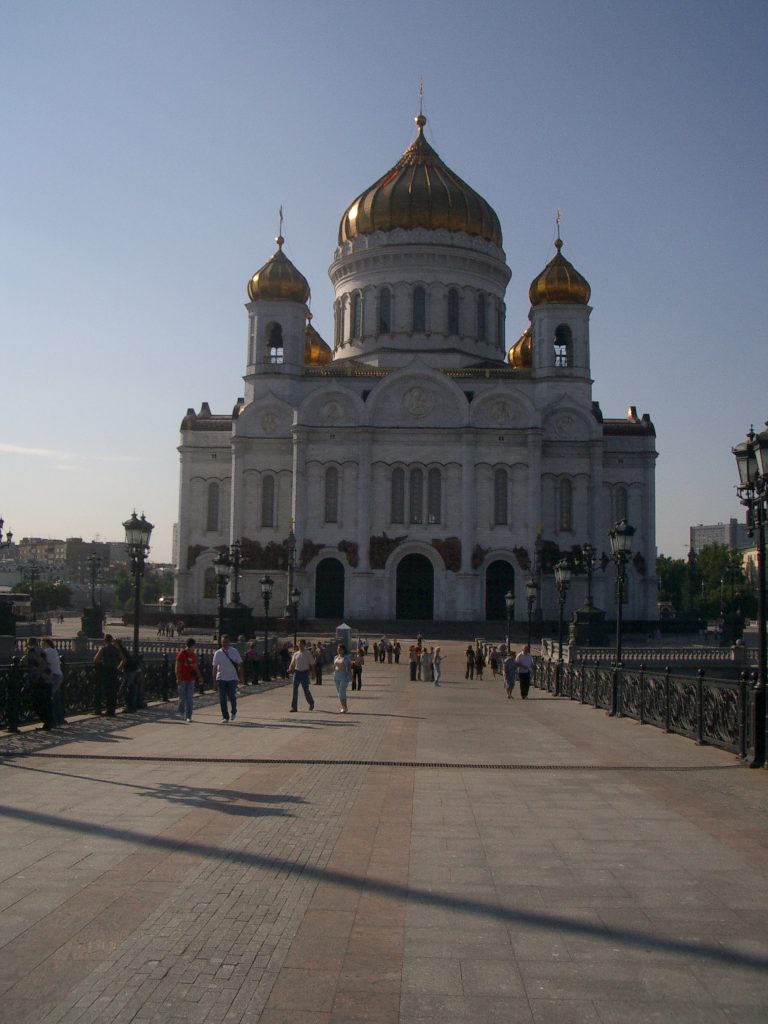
(329, 589)
(499, 578)
(415, 588)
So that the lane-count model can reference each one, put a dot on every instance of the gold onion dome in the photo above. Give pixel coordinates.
(559, 281)
(420, 192)
(520, 356)
(278, 279)
(316, 351)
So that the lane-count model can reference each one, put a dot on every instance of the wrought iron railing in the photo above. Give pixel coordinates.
(717, 712)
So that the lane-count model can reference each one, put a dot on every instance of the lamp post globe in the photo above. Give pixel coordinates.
(138, 531)
(266, 583)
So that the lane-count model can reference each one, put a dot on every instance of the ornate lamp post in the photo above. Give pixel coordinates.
(588, 561)
(8, 537)
(221, 566)
(266, 595)
(137, 535)
(562, 582)
(621, 548)
(235, 554)
(295, 597)
(752, 461)
(509, 601)
(530, 598)
(291, 546)
(93, 563)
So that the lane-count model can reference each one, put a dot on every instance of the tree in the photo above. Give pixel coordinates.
(46, 596)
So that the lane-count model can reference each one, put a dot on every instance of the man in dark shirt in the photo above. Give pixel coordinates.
(39, 677)
(107, 662)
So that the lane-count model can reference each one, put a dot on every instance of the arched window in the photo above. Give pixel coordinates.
(212, 507)
(397, 501)
(501, 310)
(416, 497)
(274, 343)
(385, 311)
(500, 505)
(331, 495)
(621, 504)
(268, 501)
(453, 311)
(434, 496)
(481, 325)
(563, 346)
(565, 502)
(209, 583)
(357, 315)
(419, 309)
(337, 320)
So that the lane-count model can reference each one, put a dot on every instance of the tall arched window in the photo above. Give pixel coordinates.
(209, 582)
(357, 315)
(385, 311)
(434, 496)
(212, 507)
(565, 511)
(500, 504)
(453, 311)
(563, 346)
(416, 497)
(331, 495)
(274, 343)
(419, 309)
(397, 501)
(481, 324)
(621, 504)
(268, 501)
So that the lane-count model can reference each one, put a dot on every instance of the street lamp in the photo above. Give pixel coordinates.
(221, 566)
(588, 561)
(93, 563)
(137, 534)
(530, 598)
(8, 537)
(562, 582)
(752, 461)
(266, 584)
(509, 601)
(295, 596)
(235, 554)
(621, 547)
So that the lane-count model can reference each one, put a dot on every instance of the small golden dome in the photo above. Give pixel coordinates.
(278, 279)
(521, 354)
(420, 191)
(316, 351)
(559, 281)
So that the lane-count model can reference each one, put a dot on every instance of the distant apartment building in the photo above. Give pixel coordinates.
(69, 558)
(732, 534)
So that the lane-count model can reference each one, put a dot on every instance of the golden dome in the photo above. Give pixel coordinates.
(559, 281)
(278, 279)
(316, 351)
(521, 354)
(420, 192)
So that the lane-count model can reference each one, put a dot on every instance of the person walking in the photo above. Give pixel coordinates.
(413, 661)
(108, 660)
(342, 673)
(470, 653)
(130, 668)
(301, 665)
(227, 671)
(426, 665)
(437, 662)
(318, 653)
(252, 664)
(56, 678)
(508, 668)
(479, 663)
(357, 669)
(524, 663)
(187, 674)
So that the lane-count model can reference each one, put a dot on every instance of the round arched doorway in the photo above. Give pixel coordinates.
(415, 588)
(499, 578)
(329, 589)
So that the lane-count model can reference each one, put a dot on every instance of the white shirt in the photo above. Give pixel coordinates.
(223, 667)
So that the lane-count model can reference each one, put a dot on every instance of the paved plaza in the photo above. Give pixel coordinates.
(440, 854)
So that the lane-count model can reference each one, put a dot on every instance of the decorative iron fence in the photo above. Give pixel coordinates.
(717, 712)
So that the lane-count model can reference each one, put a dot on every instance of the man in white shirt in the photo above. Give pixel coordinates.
(524, 663)
(301, 665)
(227, 671)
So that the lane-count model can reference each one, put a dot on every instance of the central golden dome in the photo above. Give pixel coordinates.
(420, 192)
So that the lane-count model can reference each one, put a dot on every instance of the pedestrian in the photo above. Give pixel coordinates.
(479, 663)
(57, 678)
(108, 660)
(319, 653)
(187, 674)
(341, 675)
(39, 681)
(509, 667)
(413, 660)
(302, 664)
(426, 665)
(130, 668)
(285, 661)
(437, 662)
(357, 669)
(397, 648)
(227, 671)
(524, 663)
(470, 654)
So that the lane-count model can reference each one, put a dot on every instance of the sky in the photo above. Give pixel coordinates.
(147, 148)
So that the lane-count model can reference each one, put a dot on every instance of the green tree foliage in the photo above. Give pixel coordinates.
(153, 586)
(711, 584)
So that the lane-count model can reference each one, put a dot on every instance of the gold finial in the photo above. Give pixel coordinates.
(420, 119)
(280, 238)
(559, 241)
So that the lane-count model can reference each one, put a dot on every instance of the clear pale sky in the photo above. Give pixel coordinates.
(146, 148)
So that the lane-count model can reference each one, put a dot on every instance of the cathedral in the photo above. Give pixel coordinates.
(416, 468)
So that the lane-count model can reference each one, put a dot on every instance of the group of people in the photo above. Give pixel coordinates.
(425, 662)
(42, 664)
(347, 671)
(169, 627)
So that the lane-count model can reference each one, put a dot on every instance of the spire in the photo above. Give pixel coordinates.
(420, 119)
(280, 240)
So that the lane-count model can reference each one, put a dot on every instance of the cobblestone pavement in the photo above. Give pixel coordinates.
(439, 854)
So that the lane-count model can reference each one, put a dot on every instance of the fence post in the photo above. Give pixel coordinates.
(642, 694)
(667, 709)
(700, 707)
